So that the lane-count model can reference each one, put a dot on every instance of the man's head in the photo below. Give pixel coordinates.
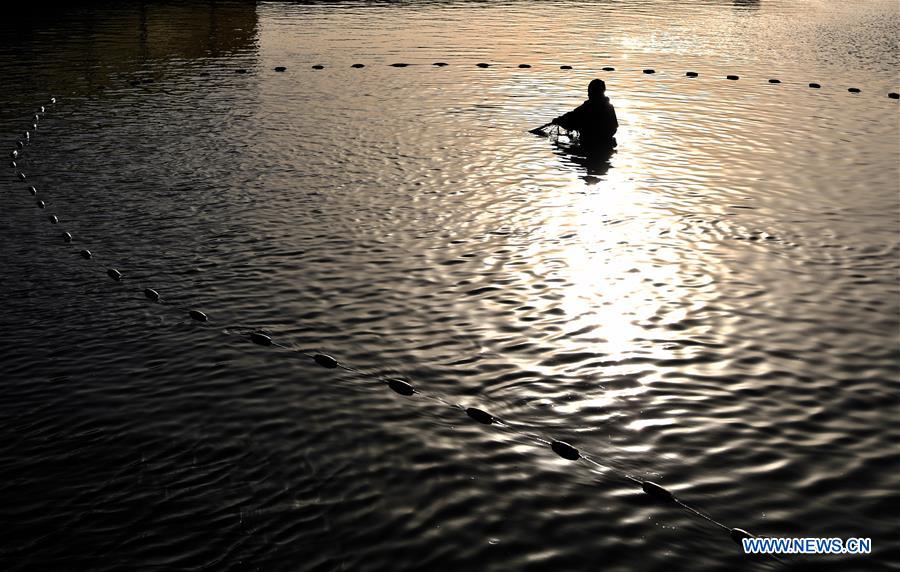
(596, 90)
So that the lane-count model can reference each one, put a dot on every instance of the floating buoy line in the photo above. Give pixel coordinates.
(647, 71)
(402, 387)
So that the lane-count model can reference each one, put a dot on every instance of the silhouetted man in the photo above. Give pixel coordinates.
(594, 120)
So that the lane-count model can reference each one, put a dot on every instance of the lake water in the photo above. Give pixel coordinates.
(714, 307)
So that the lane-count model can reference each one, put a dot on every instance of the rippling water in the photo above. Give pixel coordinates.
(713, 307)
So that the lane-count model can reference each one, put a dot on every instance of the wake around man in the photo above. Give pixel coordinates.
(594, 120)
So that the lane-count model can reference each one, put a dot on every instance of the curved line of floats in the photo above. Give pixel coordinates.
(649, 71)
(401, 386)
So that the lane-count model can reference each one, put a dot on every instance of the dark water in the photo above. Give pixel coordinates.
(714, 307)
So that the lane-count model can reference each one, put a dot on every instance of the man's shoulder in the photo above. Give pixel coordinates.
(596, 105)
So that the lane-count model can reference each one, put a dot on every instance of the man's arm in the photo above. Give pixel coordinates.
(614, 119)
(572, 120)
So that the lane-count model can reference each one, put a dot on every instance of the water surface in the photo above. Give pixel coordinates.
(713, 307)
